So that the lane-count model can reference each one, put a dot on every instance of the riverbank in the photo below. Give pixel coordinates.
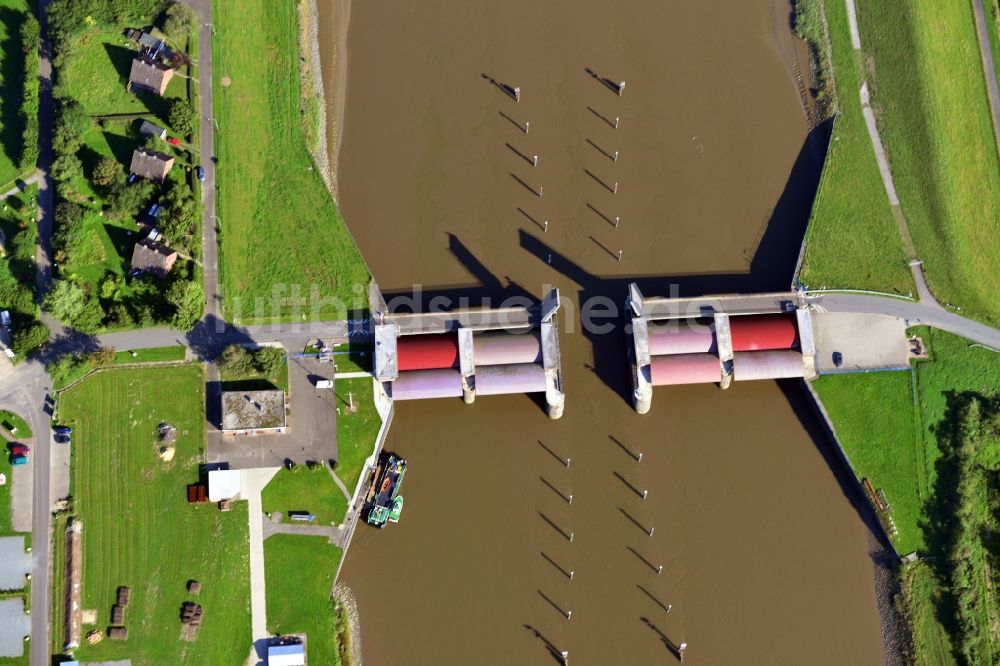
(314, 112)
(332, 20)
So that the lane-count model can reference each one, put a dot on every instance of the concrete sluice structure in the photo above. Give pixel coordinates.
(718, 339)
(469, 353)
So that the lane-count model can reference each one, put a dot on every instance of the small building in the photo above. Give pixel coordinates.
(152, 129)
(286, 655)
(151, 165)
(153, 258)
(148, 75)
(253, 412)
(224, 484)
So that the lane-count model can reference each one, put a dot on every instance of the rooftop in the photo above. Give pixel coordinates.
(253, 410)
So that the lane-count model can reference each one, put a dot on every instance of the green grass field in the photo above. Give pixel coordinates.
(98, 70)
(357, 430)
(5, 490)
(875, 422)
(299, 572)
(12, 15)
(304, 490)
(932, 645)
(139, 530)
(853, 241)
(279, 226)
(353, 359)
(153, 355)
(9, 421)
(930, 97)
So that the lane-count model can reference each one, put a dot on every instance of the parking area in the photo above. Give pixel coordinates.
(16, 563)
(14, 626)
(311, 432)
(848, 342)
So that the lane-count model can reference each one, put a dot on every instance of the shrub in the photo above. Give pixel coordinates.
(107, 172)
(181, 117)
(178, 22)
(30, 37)
(29, 339)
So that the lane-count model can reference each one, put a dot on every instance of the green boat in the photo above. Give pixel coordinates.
(385, 503)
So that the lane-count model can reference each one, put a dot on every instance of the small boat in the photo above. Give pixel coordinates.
(385, 503)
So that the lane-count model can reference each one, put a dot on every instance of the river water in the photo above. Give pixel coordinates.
(764, 555)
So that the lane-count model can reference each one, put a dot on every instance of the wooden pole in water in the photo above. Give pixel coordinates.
(534, 161)
(617, 221)
(619, 255)
(545, 228)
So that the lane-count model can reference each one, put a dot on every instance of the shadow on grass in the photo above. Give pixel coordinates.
(12, 73)
(121, 147)
(259, 384)
(122, 57)
(123, 242)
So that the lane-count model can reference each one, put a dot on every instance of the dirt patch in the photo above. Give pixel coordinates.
(226, 82)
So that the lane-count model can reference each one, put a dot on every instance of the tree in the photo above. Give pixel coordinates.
(188, 301)
(269, 361)
(179, 21)
(71, 123)
(66, 167)
(179, 217)
(68, 218)
(107, 172)
(181, 117)
(66, 301)
(29, 339)
(236, 361)
(129, 199)
(69, 303)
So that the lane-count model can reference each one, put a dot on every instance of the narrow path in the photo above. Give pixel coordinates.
(989, 67)
(254, 481)
(35, 177)
(340, 484)
(334, 535)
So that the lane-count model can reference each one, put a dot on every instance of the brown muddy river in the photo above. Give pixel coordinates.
(764, 556)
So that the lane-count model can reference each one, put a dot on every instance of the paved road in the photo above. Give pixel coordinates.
(913, 313)
(36, 381)
(210, 250)
(989, 67)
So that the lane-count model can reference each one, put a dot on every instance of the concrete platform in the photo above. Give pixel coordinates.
(864, 342)
(311, 426)
(14, 626)
(16, 563)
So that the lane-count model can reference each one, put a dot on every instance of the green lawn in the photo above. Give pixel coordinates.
(153, 355)
(98, 69)
(930, 97)
(299, 572)
(9, 421)
(303, 490)
(139, 530)
(279, 226)
(357, 430)
(5, 490)
(12, 73)
(352, 359)
(853, 241)
(875, 422)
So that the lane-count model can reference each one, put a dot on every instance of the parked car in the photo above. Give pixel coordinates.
(18, 460)
(201, 173)
(62, 439)
(174, 141)
(62, 430)
(5, 319)
(19, 450)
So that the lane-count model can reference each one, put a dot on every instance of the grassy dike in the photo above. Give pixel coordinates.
(279, 225)
(852, 241)
(929, 96)
(905, 432)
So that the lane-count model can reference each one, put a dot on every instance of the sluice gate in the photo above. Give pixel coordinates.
(717, 339)
(470, 353)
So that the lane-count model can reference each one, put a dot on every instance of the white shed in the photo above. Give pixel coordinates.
(223, 484)
(286, 655)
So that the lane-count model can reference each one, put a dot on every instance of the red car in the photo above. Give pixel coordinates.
(19, 450)
(174, 141)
